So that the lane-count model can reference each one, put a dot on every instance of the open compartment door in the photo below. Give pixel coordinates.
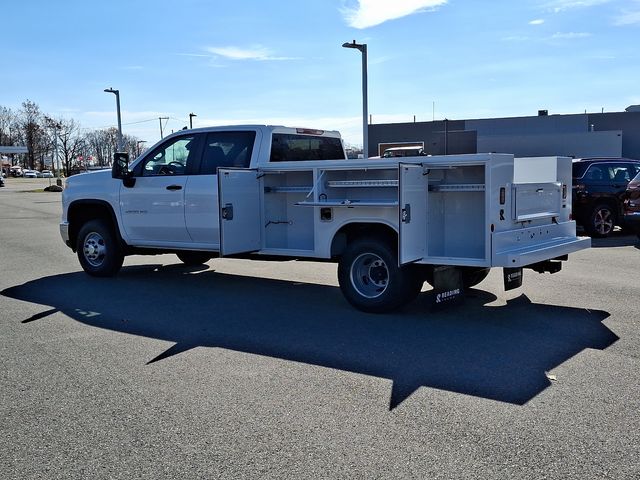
(413, 189)
(240, 213)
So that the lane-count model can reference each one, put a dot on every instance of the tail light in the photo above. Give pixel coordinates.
(309, 131)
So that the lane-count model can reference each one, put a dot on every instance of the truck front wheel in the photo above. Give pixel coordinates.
(98, 249)
(371, 280)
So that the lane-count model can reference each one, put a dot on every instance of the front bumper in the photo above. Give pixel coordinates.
(64, 233)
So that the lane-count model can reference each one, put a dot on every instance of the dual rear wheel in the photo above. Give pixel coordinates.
(372, 281)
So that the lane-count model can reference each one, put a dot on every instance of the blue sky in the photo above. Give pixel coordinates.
(281, 61)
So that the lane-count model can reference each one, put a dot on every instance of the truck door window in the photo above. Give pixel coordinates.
(226, 149)
(170, 158)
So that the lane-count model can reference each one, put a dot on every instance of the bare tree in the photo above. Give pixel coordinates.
(70, 144)
(101, 145)
(131, 145)
(32, 132)
(7, 124)
(43, 135)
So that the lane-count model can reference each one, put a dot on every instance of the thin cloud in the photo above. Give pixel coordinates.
(552, 38)
(538, 21)
(569, 35)
(369, 13)
(563, 5)
(257, 53)
(628, 16)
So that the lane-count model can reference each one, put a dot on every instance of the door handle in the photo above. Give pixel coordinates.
(174, 187)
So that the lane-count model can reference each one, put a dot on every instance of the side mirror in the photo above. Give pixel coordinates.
(120, 167)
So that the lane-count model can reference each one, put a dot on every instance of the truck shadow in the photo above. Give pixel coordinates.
(499, 353)
(616, 239)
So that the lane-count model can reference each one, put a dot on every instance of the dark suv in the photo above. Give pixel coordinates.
(632, 205)
(599, 185)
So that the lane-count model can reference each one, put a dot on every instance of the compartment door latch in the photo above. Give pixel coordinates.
(406, 214)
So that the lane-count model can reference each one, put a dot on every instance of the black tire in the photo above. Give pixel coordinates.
(194, 258)
(371, 280)
(471, 276)
(601, 221)
(98, 249)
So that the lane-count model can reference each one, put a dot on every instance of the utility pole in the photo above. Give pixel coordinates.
(191, 115)
(162, 118)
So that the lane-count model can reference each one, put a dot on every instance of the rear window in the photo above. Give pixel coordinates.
(579, 169)
(290, 147)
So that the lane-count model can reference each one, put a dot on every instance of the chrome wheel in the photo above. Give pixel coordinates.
(94, 249)
(603, 221)
(369, 275)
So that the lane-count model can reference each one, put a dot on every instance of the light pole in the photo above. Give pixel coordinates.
(365, 114)
(191, 115)
(117, 94)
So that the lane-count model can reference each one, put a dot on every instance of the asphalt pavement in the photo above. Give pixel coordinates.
(252, 369)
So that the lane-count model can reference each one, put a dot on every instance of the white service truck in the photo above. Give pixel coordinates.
(268, 192)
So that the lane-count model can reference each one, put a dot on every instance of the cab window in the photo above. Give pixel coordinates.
(226, 149)
(290, 147)
(170, 158)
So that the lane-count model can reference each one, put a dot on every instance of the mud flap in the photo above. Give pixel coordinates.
(448, 288)
(512, 278)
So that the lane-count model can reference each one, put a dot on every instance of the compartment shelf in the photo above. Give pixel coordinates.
(348, 203)
(288, 189)
(462, 187)
(361, 183)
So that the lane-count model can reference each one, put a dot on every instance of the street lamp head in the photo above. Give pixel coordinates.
(111, 90)
(357, 46)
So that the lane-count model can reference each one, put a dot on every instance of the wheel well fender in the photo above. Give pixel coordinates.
(351, 231)
(82, 211)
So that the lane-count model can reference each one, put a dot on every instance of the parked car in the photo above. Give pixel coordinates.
(599, 186)
(16, 171)
(393, 152)
(1, 180)
(631, 205)
(47, 174)
(29, 174)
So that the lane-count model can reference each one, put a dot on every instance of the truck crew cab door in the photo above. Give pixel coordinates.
(221, 149)
(240, 212)
(152, 208)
